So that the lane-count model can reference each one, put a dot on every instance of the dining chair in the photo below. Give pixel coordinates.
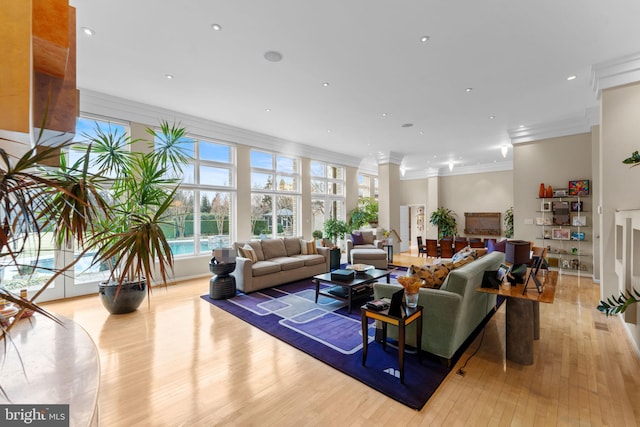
(446, 248)
(432, 248)
(460, 243)
(476, 243)
(421, 248)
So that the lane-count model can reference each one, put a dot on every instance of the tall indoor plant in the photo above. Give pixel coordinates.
(445, 220)
(36, 200)
(366, 212)
(335, 229)
(143, 185)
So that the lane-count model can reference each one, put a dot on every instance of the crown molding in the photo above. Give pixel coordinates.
(604, 75)
(616, 72)
(567, 126)
(506, 165)
(92, 102)
(389, 157)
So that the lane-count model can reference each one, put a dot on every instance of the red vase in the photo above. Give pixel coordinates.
(549, 191)
(541, 192)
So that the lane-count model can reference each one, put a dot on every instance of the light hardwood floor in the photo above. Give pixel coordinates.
(182, 362)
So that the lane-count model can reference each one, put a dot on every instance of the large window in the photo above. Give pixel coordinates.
(201, 217)
(327, 193)
(87, 128)
(367, 186)
(275, 195)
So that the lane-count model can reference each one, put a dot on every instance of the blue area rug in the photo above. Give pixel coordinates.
(329, 333)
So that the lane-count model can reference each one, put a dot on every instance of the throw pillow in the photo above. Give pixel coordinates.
(247, 252)
(463, 253)
(432, 275)
(481, 252)
(500, 246)
(308, 247)
(357, 239)
(463, 261)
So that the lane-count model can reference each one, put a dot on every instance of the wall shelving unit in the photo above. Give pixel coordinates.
(564, 224)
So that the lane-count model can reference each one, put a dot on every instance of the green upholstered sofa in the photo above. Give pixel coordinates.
(452, 312)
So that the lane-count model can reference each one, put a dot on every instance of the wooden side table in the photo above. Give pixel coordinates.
(523, 315)
(411, 315)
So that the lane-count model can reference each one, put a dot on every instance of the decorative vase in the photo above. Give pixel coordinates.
(541, 192)
(549, 191)
(411, 299)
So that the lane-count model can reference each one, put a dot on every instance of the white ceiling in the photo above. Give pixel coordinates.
(515, 54)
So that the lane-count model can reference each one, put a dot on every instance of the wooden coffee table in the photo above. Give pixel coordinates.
(359, 287)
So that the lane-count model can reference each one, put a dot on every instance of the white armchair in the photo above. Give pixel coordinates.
(362, 239)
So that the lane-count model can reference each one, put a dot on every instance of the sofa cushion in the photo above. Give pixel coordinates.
(247, 252)
(308, 247)
(367, 236)
(432, 275)
(288, 263)
(311, 259)
(356, 238)
(292, 245)
(262, 268)
(273, 248)
(257, 248)
(500, 246)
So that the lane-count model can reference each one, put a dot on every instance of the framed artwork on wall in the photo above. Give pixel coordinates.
(545, 207)
(579, 187)
(561, 234)
(579, 221)
(577, 207)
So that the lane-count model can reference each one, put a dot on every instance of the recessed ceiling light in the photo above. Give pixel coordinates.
(273, 56)
(169, 76)
(469, 89)
(407, 125)
(328, 130)
(325, 84)
(384, 114)
(216, 27)
(267, 109)
(521, 126)
(88, 31)
(573, 77)
(492, 117)
(421, 132)
(424, 39)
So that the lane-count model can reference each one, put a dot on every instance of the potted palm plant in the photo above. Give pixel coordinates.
(143, 185)
(36, 200)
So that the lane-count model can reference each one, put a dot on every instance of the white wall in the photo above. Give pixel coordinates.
(554, 162)
(619, 137)
(483, 192)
